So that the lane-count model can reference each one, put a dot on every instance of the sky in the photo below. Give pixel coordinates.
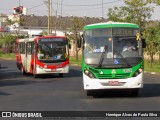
(90, 8)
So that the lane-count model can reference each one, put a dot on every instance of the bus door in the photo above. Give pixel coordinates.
(29, 50)
(22, 51)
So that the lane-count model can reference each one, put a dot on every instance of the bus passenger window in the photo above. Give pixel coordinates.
(21, 48)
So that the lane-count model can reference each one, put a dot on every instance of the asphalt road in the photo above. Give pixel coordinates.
(51, 93)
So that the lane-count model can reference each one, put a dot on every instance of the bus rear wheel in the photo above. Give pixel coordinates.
(35, 75)
(23, 71)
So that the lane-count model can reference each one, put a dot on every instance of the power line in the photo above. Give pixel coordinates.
(47, 4)
(36, 6)
(84, 9)
(89, 5)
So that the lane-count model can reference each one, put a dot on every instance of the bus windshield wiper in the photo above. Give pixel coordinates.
(102, 56)
(122, 57)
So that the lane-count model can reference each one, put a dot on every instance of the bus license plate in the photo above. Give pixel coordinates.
(53, 70)
(113, 83)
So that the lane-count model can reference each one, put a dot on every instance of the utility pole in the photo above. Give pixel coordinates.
(50, 17)
(19, 3)
(56, 18)
(102, 9)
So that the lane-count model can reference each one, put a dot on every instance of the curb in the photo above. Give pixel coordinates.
(8, 58)
(153, 73)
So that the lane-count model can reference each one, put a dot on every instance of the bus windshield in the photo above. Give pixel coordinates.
(123, 48)
(52, 49)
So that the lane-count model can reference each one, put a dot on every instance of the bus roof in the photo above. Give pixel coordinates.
(110, 24)
(25, 40)
(36, 38)
(51, 36)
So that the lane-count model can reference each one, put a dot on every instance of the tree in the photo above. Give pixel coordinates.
(154, 1)
(44, 33)
(9, 22)
(77, 25)
(135, 11)
(7, 41)
(151, 35)
(158, 40)
(138, 11)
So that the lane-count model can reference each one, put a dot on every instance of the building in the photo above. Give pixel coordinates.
(3, 26)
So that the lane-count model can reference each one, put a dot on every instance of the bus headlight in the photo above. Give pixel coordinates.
(91, 75)
(88, 73)
(39, 66)
(138, 72)
(45, 66)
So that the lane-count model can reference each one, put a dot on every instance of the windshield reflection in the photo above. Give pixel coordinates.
(122, 51)
(53, 50)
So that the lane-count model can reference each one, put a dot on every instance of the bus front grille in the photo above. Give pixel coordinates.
(113, 76)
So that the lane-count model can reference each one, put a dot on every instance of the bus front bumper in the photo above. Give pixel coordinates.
(133, 82)
(51, 71)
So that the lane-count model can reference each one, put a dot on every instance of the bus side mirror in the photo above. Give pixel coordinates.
(143, 43)
(79, 42)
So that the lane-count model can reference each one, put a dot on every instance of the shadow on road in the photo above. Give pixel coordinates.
(3, 67)
(74, 73)
(150, 90)
(9, 74)
(15, 82)
(113, 93)
(4, 93)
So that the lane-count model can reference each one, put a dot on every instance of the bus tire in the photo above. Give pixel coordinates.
(134, 92)
(35, 75)
(23, 71)
(61, 75)
(89, 92)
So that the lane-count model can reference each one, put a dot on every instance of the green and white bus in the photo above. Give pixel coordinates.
(107, 63)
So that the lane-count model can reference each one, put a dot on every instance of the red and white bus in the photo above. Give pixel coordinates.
(43, 55)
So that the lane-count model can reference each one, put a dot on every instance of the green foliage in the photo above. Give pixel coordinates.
(155, 66)
(152, 36)
(154, 1)
(9, 21)
(73, 61)
(44, 33)
(139, 11)
(77, 25)
(10, 55)
(21, 21)
(135, 11)
(8, 41)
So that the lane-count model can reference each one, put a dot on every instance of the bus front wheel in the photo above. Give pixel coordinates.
(61, 75)
(134, 92)
(89, 92)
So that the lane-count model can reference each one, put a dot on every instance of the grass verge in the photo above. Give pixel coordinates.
(155, 66)
(72, 60)
(10, 55)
